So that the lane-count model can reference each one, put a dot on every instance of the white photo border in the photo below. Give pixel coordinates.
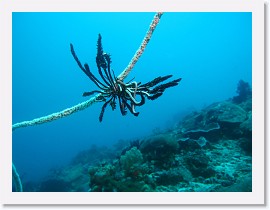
(257, 196)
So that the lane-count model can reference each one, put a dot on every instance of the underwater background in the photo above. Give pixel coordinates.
(211, 52)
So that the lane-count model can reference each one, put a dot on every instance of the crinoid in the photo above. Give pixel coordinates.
(112, 88)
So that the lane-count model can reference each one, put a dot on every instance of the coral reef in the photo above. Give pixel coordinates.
(207, 151)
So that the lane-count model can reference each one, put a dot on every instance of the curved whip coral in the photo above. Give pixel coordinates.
(92, 100)
(87, 103)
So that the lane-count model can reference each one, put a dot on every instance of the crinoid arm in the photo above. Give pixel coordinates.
(155, 96)
(103, 61)
(103, 109)
(158, 90)
(123, 106)
(131, 107)
(76, 58)
(91, 93)
(86, 69)
(100, 60)
(156, 81)
(161, 88)
(142, 102)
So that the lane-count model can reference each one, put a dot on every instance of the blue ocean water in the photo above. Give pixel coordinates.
(211, 52)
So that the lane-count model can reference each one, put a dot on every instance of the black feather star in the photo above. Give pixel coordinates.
(112, 89)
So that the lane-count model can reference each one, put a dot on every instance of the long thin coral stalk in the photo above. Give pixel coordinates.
(56, 115)
(142, 47)
(89, 102)
(16, 178)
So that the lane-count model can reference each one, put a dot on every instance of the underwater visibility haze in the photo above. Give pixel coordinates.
(179, 142)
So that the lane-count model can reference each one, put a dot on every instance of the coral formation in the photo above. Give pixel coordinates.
(207, 151)
(244, 92)
(131, 161)
(224, 119)
(160, 149)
